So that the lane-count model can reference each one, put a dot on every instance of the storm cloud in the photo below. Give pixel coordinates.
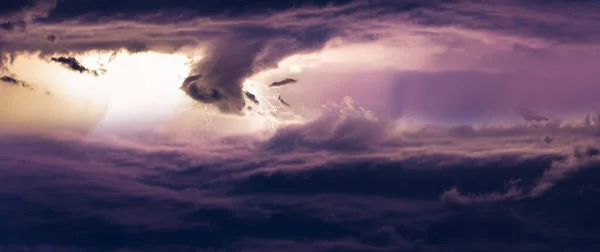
(431, 175)
(228, 61)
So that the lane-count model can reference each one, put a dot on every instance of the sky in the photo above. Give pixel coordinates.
(380, 125)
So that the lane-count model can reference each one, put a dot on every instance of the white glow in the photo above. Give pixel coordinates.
(262, 115)
(133, 88)
(142, 86)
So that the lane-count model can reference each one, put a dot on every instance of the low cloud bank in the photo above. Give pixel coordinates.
(308, 187)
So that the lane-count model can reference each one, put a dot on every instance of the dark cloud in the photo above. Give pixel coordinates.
(251, 97)
(525, 19)
(198, 93)
(283, 102)
(13, 81)
(52, 38)
(531, 116)
(73, 64)
(230, 8)
(9, 80)
(586, 152)
(283, 82)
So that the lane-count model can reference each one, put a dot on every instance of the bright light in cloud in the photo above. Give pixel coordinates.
(132, 87)
(265, 111)
(145, 88)
(142, 86)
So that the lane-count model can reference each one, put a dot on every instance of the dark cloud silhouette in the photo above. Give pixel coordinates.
(251, 97)
(198, 93)
(585, 152)
(13, 81)
(52, 38)
(283, 102)
(9, 80)
(283, 82)
(73, 64)
(531, 116)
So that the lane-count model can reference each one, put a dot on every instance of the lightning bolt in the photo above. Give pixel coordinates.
(207, 118)
(266, 108)
(269, 108)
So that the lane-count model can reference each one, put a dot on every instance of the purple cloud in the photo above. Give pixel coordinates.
(356, 177)
(244, 197)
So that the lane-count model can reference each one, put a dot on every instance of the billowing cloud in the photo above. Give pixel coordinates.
(228, 61)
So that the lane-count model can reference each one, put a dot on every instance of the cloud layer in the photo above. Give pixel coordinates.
(382, 171)
(347, 181)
